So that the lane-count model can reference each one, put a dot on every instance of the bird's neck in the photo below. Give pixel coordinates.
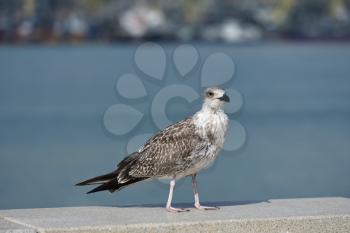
(207, 108)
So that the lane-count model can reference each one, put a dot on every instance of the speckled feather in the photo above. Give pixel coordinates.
(183, 148)
(169, 152)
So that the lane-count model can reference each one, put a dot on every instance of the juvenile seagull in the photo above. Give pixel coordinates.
(179, 150)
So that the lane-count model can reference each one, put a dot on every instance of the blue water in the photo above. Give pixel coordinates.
(52, 99)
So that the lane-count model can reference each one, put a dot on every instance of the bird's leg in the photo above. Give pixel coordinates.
(168, 204)
(196, 196)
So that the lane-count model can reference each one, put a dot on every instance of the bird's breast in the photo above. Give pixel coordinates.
(212, 126)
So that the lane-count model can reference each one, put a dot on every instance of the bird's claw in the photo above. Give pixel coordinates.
(176, 210)
(201, 207)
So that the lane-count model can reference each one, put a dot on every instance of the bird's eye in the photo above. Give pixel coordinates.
(210, 94)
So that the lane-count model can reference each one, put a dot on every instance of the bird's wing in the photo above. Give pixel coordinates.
(169, 152)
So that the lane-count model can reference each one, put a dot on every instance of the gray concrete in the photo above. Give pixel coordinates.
(11, 227)
(286, 215)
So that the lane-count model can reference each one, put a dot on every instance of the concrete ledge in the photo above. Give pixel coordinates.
(286, 215)
(8, 226)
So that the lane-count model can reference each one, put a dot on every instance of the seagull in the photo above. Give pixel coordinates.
(179, 150)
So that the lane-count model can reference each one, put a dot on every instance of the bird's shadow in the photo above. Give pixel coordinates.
(190, 205)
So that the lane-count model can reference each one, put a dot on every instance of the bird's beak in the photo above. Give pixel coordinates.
(224, 98)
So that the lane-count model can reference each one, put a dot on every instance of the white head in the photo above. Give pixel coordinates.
(215, 98)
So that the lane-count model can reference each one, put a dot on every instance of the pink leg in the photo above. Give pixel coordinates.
(196, 196)
(168, 204)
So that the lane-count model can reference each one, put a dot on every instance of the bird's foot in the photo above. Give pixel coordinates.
(202, 207)
(176, 210)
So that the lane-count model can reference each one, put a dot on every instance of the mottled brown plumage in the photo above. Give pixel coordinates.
(179, 150)
(169, 152)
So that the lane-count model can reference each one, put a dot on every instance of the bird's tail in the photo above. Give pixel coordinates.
(115, 180)
(99, 179)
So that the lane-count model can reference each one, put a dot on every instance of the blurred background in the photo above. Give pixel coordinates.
(54, 21)
(59, 62)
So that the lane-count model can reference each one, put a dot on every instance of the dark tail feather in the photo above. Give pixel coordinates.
(99, 179)
(110, 181)
(113, 185)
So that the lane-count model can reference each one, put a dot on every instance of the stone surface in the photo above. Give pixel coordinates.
(284, 215)
(11, 227)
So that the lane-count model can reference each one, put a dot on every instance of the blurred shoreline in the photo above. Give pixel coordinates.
(227, 21)
(308, 42)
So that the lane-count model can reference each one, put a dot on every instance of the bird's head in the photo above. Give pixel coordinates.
(215, 98)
